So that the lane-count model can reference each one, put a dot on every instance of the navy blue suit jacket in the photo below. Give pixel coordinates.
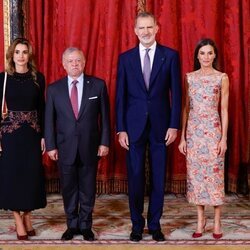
(68, 134)
(161, 103)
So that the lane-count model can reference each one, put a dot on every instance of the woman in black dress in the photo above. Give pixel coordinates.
(22, 183)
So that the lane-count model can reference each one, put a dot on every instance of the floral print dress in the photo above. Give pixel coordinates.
(205, 169)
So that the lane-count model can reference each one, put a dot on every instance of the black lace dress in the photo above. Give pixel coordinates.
(22, 182)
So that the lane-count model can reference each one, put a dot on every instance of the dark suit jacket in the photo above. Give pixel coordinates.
(134, 104)
(68, 134)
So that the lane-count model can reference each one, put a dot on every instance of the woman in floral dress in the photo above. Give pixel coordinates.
(204, 134)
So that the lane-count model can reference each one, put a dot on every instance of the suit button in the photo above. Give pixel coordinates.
(146, 113)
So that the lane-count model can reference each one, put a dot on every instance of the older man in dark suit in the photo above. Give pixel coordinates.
(148, 106)
(77, 132)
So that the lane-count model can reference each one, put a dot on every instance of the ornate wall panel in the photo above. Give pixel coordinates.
(5, 41)
(12, 18)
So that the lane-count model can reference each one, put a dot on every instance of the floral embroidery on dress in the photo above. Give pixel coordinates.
(205, 169)
(16, 119)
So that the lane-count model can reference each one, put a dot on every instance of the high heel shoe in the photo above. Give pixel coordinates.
(198, 235)
(22, 237)
(31, 232)
(217, 236)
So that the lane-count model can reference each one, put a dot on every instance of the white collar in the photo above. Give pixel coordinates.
(79, 79)
(152, 47)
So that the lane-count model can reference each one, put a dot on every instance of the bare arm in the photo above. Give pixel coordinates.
(222, 146)
(183, 145)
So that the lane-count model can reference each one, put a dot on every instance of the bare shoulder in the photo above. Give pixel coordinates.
(190, 75)
(223, 75)
(224, 80)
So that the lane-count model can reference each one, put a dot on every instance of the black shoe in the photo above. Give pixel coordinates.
(88, 234)
(135, 236)
(157, 235)
(69, 234)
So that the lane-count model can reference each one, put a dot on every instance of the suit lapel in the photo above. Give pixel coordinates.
(136, 65)
(159, 59)
(66, 97)
(85, 93)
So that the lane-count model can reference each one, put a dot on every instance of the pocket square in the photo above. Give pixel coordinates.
(93, 97)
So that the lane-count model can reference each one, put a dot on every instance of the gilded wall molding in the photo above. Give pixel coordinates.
(6, 25)
(12, 21)
(141, 6)
(16, 19)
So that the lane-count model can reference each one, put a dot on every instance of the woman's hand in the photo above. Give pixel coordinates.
(222, 148)
(183, 147)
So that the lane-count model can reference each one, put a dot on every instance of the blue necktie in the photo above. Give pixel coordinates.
(146, 69)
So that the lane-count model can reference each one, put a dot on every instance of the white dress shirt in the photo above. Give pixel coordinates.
(151, 54)
(79, 86)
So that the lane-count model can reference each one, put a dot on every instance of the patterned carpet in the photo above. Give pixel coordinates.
(112, 223)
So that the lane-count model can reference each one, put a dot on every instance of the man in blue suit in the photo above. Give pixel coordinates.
(77, 132)
(148, 107)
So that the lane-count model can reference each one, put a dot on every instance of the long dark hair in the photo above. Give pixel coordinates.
(201, 43)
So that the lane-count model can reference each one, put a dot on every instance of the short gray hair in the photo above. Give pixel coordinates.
(145, 14)
(70, 50)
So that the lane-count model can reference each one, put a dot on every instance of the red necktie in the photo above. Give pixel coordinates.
(74, 98)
